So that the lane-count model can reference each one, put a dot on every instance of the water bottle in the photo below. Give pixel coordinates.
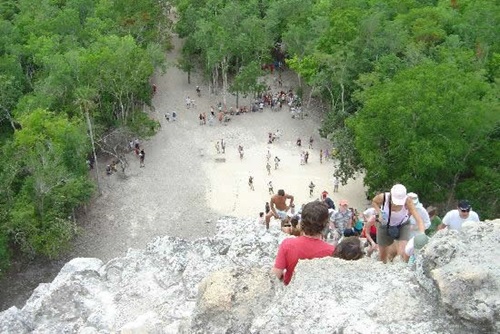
(385, 217)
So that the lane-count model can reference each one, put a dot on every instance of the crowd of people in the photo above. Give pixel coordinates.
(274, 101)
(397, 224)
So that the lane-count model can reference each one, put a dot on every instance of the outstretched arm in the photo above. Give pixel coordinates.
(367, 228)
(273, 208)
(444, 222)
(415, 214)
(377, 202)
(277, 272)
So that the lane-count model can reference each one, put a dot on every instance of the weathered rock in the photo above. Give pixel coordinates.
(230, 298)
(463, 268)
(222, 285)
(335, 296)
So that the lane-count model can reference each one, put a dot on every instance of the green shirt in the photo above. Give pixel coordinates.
(435, 222)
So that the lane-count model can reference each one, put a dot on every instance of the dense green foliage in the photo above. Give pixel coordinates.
(60, 60)
(412, 85)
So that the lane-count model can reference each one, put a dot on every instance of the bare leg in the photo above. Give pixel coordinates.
(383, 252)
(401, 250)
(268, 218)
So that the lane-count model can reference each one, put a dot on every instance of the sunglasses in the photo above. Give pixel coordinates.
(465, 210)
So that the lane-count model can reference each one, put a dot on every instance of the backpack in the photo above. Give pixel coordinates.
(329, 203)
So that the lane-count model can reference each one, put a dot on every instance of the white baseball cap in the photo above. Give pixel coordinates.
(398, 194)
(414, 197)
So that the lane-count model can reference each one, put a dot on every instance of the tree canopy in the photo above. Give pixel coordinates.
(61, 60)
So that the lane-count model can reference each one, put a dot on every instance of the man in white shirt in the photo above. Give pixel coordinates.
(421, 211)
(455, 218)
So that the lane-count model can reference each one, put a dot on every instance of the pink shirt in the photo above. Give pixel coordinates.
(397, 217)
(294, 249)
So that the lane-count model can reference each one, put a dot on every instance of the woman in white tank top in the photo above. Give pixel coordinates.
(393, 210)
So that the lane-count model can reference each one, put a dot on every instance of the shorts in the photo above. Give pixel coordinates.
(383, 239)
(281, 214)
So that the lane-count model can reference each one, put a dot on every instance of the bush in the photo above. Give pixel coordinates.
(4, 252)
(142, 125)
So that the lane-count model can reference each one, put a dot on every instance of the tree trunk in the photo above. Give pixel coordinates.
(91, 133)
(332, 98)
(342, 97)
(216, 79)
(310, 96)
(224, 79)
(11, 121)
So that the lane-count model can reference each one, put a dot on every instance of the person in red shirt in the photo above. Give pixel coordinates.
(308, 246)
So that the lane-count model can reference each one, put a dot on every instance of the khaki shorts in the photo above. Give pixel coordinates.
(383, 239)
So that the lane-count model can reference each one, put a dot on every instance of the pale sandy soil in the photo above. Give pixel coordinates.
(226, 190)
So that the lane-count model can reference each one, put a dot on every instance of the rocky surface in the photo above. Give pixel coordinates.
(222, 284)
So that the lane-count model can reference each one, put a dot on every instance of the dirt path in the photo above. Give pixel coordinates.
(183, 186)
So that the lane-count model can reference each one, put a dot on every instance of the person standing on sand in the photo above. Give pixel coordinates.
(250, 182)
(142, 155)
(136, 146)
(321, 156)
(268, 168)
(311, 141)
(223, 146)
(279, 207)
(217, 147)
(311, 188)
(240, 151)
(335, 184)
(270, 188)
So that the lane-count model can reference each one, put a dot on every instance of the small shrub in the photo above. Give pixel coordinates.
(4, 252)
(142, 125)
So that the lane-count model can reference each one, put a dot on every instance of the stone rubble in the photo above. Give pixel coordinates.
(223, 284)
